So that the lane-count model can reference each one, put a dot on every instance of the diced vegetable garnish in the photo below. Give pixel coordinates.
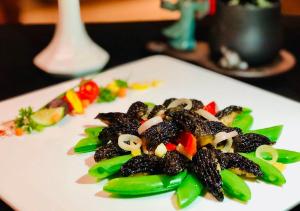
(106, 96)
(121, 83)
(170, 146)
(48, 116)
(211, 108)
(74, 102)
(189, 142)
(122, 92)
(160, 150)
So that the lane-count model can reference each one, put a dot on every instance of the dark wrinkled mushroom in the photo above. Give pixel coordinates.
(207, 170)
(137, 110)
(160, 133)
(249, 142)
(141, 164)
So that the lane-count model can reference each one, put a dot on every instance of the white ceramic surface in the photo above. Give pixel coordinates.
(37, 173)
(71, 51)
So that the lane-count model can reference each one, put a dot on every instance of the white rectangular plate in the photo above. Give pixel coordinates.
(38, 173)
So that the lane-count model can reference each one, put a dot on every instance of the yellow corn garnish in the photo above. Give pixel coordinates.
(74, 100)
(113, 87)
(155, 83)
(279, 166)
(140, 86)
(144, 86)
(136, 152)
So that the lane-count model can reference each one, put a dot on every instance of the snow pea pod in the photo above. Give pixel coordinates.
(144, 185)
(93, 131)
(188, 191)
(89, 144)
(284, 156)
(235, 186)
(243, 121)
(246, 110)
(270, 173)
(108, 167)
(272, 133)
(149, 104)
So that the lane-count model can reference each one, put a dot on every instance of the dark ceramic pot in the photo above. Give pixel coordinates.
(255, 33)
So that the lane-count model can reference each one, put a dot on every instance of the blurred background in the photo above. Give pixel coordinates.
(45, 11)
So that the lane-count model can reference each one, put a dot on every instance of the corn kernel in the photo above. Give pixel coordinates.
(140, 86)
(136, 152)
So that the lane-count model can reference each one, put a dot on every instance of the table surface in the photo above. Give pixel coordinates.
(125, 42)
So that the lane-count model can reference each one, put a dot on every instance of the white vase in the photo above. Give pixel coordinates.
(71, 51)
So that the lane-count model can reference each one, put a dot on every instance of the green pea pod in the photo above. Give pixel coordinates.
(93, 131)
(272, 133)
(243, 121)
(89, 144)
(143, 185)
(284, 156)
(246, 110)
(235, 186)
(108, 167)
(270, 173)
(188, 191)
(149, 104)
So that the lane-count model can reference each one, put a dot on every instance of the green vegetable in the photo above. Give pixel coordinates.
(188, 191)
(284, 156)
(246, 110)
(121, 83)
(108, 167)
(93, 131)
(270, 173)
(88, 144)
(243, 121)
(48, 116)
(272, 133)
(235, 186)
(149, 104)
(144, 185)
(24, 120)
(106, 96)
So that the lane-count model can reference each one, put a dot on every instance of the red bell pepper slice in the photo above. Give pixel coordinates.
(211, 108)
(189, 141)
(170, 146)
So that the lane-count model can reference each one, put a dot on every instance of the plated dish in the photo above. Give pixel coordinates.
(54, 178)
(183, 146)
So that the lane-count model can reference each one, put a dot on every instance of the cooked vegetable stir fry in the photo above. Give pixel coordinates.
(186, 146)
